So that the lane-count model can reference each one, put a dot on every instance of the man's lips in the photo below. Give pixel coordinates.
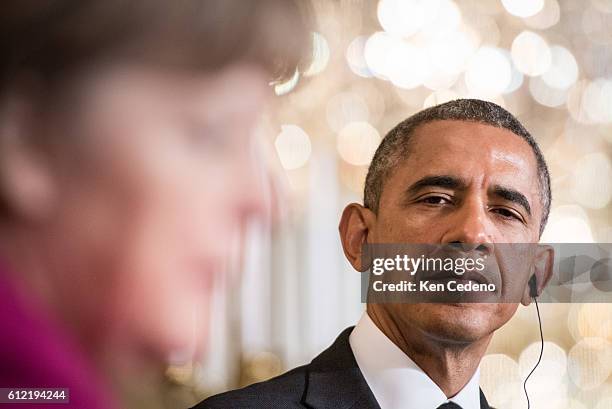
(450, 275)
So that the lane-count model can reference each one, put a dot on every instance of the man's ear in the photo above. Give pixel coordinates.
(26, 184)
(355, 226)
(542, 270)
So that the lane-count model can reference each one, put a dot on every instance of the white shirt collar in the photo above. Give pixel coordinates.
(395, 380)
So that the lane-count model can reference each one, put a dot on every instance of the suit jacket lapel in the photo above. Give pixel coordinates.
(335, 381)
(483, 401)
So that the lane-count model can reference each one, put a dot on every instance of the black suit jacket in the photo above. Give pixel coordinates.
(331, 381)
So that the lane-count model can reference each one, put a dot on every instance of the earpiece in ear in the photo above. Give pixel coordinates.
(533, 286)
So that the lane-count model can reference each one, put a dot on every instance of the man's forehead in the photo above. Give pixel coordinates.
(471, 149)
(441, 135)
(471, 140)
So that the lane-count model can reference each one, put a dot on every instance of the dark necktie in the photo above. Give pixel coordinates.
(449, 405)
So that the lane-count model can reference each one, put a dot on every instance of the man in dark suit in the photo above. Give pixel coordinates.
(462, 172)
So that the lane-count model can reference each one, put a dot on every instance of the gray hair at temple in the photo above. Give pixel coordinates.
(395, 146)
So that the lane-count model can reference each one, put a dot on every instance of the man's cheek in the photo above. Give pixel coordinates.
(406, 229)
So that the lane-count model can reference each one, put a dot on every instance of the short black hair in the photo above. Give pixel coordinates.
(395, 146)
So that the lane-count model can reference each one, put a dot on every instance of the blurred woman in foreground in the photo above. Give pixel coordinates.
(126, 165)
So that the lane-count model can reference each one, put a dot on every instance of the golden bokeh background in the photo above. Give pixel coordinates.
(375, 63)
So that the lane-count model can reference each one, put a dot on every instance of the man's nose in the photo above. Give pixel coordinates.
(469, 226)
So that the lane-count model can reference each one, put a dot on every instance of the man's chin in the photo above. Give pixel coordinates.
(463, 323)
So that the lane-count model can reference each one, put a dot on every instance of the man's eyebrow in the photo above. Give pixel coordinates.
(512, 195)
(443, 181)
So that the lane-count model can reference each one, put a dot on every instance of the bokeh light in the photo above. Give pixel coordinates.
(545, 94)
(597, 100)
(531, 53)
(406, 65)
(516, 79)
(489, 72)
(568, 224)
(376, 51)
(446, 18)
(355, 57)
(447, 55)
(286, 87)
(590, 362)
(293, 146)
(320, 55)
(551, 369)
(484, 27)
(523, 8)
(563, 71)
(591, 182)
(595, 320)
(344, 108)
(576, 102)
(405, 17)
(500, 379)
(545, 18)
(357, 142)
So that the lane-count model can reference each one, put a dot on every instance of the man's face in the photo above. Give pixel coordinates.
(462, 182)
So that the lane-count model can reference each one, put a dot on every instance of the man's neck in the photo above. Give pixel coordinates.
(450, 365)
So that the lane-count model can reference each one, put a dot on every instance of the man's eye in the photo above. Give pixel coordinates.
(505, 213)
(435, 200)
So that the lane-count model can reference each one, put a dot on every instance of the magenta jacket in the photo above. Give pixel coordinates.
(35, 352)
